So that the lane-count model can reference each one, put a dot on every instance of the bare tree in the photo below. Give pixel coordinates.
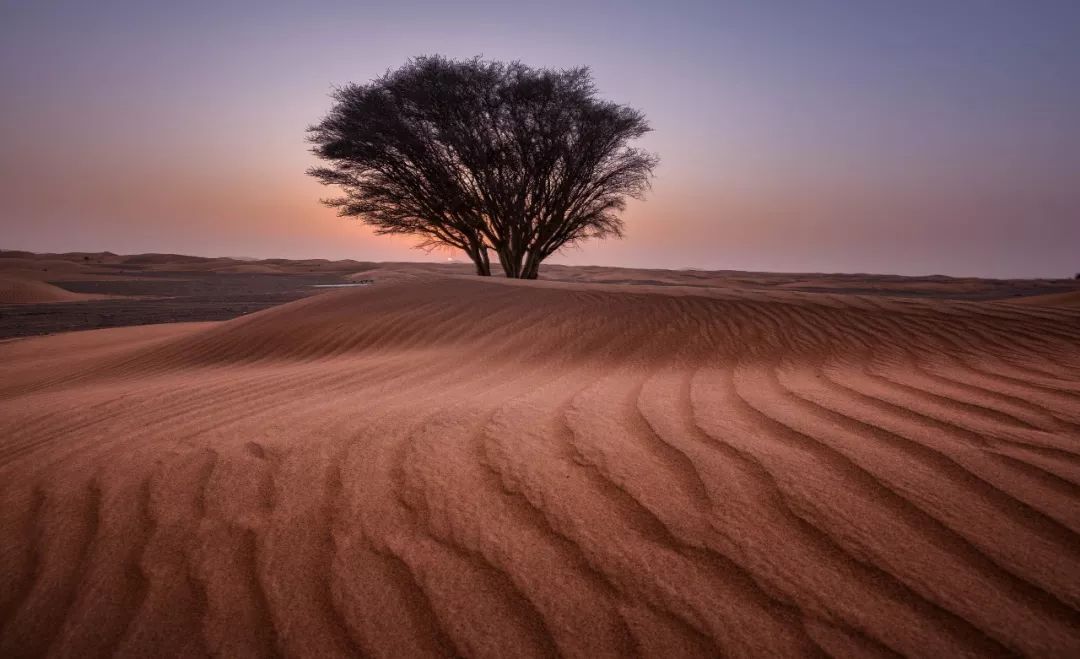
(483, 156)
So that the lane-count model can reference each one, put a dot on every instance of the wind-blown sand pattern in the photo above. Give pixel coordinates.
(450, 466)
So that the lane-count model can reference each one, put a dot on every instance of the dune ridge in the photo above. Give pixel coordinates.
(444, 466)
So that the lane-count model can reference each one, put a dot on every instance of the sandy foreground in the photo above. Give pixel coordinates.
(443, 465)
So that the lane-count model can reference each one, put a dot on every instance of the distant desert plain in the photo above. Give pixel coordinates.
(239, 458)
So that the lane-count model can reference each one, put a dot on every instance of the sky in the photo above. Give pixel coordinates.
(865, 136)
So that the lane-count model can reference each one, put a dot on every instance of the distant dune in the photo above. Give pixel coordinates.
(107, 266)
(1070, 299)
(15, 290)
(444, 466)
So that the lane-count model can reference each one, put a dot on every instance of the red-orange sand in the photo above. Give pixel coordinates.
(451, 466)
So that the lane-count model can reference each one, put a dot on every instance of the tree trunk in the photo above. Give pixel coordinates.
(518, 265)
(480, 258)
(532, 266)
(484, 266)
(511, 262)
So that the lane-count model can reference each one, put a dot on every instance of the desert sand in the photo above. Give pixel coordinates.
(440, 465)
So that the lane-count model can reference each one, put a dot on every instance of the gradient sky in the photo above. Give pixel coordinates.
(864, 136)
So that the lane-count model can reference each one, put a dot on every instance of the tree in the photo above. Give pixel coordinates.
(483, 156)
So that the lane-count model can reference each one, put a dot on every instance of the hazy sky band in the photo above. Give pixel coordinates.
(865, 136)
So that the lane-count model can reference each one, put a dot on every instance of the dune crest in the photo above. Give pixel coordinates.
(447, 466)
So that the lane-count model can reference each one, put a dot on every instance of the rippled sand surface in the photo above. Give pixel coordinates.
(448, 466)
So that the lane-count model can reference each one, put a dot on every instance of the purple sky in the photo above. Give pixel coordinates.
(863, 136)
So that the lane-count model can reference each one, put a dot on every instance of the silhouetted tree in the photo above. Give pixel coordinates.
(483, 156)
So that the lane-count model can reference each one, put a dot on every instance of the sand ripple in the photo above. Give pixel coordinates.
(456, 467)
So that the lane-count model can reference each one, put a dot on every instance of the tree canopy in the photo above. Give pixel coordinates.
(483, 156)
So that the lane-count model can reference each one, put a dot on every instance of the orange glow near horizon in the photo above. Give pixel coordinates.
(890, 142)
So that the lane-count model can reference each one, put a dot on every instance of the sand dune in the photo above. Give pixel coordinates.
(40, 269)
(444, 466)
(106, 266)
(16, 290)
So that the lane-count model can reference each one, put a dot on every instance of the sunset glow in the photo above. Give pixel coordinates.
(912, 138)
(540, 329)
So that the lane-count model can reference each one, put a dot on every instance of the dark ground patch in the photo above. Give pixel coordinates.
(165, 297)
(990, 294)
(169, 296)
